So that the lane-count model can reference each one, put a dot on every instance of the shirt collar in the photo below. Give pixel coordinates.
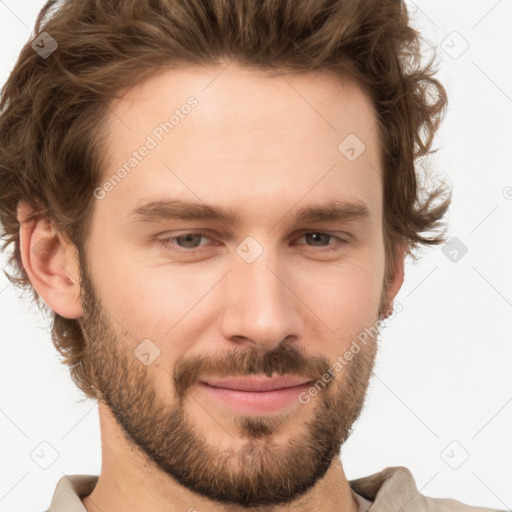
(70, 488)
(390, 489)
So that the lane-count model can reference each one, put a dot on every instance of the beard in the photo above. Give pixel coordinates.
(256, 470)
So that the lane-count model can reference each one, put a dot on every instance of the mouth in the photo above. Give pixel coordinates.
(256, 395)
(257, 384)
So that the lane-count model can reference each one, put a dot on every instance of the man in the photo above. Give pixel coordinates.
(215, 199)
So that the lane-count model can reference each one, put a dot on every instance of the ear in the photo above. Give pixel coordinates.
(51, 262)
(396, 280)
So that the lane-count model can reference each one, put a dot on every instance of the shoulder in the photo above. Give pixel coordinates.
(395, 487)
(450, 505)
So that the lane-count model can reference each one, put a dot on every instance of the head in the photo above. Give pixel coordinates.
(269, 117)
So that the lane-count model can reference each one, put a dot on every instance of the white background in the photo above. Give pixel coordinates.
(442, 388)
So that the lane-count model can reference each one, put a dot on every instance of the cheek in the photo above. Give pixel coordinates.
(156, 301)
(344, 297)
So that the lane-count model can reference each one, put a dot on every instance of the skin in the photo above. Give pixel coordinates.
(264, 147)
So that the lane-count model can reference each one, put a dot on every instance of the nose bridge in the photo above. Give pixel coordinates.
(261, 308)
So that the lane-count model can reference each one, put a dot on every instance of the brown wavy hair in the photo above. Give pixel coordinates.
(51, 109)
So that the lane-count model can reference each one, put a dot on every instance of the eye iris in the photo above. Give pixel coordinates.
(318, 235)
(197, 237)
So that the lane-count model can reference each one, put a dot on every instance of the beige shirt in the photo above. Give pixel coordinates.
(392, 489)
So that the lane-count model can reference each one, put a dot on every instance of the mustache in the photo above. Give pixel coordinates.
(283, 360)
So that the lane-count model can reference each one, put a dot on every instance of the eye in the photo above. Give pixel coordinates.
(189, 240)
(317, 237)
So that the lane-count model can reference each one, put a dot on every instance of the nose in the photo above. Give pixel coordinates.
(259, 306)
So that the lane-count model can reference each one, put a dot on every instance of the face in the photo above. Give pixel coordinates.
(175, 295)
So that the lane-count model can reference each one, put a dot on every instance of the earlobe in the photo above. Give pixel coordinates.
(50, 263)
(396, 280)
(398, 271)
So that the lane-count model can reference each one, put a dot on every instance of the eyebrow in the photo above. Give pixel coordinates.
(175, 209)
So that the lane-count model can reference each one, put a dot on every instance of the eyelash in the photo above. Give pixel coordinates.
(166, 242)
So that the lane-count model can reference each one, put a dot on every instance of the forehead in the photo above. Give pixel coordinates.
(250, 138)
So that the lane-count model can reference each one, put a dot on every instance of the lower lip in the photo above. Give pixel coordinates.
(255, 402)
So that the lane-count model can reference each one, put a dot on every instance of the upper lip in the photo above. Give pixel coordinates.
(257, 383)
